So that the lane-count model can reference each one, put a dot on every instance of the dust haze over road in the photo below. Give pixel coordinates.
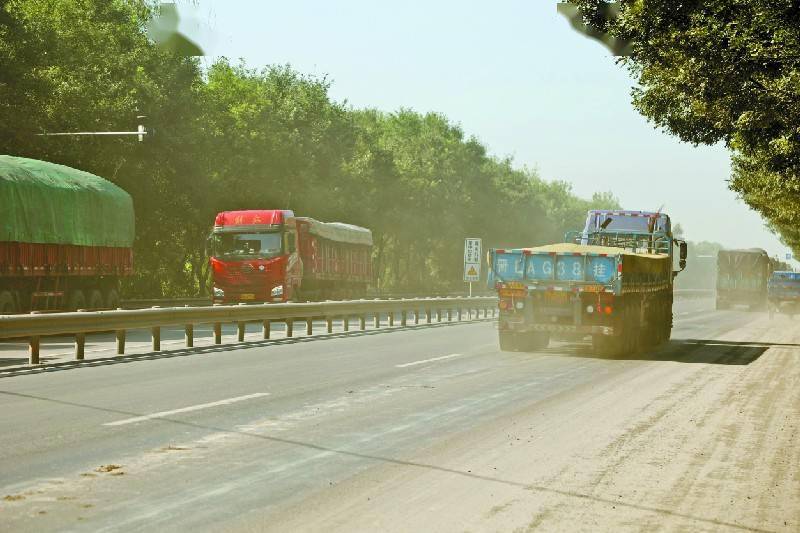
(430, 428)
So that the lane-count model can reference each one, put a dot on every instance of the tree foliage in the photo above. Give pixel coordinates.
(722, 71)
(232, 137)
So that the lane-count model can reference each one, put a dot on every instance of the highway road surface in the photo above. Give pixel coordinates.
(420, 429)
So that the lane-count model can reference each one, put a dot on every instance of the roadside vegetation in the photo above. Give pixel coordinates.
(719, 71)
(232, 137)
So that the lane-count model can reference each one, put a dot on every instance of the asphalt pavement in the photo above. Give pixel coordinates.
(426, 428)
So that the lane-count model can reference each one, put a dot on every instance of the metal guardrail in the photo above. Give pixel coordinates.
(34, 326)
(144, 303)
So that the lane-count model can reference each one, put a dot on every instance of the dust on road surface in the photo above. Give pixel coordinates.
(704, 438)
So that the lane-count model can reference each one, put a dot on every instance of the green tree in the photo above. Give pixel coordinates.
(721, 71)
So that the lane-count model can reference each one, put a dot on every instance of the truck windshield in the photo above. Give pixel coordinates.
(251, 245)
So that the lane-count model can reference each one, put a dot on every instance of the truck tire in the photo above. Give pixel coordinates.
(509, 341)
(112, 299)
(95, 300)
(76, 301)
(608, 346)
(7, 304)
(535, 340)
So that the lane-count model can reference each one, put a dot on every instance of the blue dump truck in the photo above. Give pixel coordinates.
(783, 293)
(614, 283)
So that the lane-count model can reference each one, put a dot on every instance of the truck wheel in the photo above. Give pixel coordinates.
(509, 342)
(535, 340)
(7, 305)
(95, 299)
(112, 299)
(608, 346)
(76, 301)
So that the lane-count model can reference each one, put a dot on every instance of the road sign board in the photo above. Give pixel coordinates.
(472, 260)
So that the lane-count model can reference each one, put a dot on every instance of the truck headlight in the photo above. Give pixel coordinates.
(277, 291)
(218, 293)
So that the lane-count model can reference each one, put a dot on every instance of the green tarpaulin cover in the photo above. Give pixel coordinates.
(43, 202)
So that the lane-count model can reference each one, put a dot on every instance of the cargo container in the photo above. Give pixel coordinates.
(66, 237)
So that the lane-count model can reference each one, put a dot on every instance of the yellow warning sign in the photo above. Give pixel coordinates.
(472, 271)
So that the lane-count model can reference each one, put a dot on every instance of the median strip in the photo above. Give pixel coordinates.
(404, 365)
(186, 409)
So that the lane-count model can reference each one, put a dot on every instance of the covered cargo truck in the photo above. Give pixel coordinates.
(273, 256)
(742, 278)
(622, 299)
(66, 237)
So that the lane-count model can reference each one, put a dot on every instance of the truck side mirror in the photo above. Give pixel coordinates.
(684, 252)
(209, 244)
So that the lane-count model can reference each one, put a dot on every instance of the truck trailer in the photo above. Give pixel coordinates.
(614, 286)
(66, 237)
(274, 256)
(742, 278)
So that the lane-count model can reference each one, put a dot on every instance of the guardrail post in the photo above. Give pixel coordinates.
(449, 315)
(33, 350)
(309, 326)
(329, 324)
(80, 343)
(289, 327)
(403, 318)
(428, 316)
(217, 333)
(416, 316)
(377, 320)
(240, 330)
(391, 318)
(120, 334)
(459, 314)
(265, 329)
(438, 315)
(156, 335)
(188, 335)
(362, 322)
(346, 322)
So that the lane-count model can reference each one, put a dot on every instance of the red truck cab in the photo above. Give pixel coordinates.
(254, 256)
(273, 256)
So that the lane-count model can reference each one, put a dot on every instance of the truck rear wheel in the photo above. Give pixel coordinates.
(7, 304)
(608, 346)
(76, 301)
(112, 299)
(95, 300)
(535, 340)
(509, 341)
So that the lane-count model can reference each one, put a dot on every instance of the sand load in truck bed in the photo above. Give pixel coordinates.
(46, 203)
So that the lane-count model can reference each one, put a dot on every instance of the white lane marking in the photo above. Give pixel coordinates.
(404, 365)
(186, 409)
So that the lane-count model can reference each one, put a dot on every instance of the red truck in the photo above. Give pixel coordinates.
(66, 237)
(273, 256)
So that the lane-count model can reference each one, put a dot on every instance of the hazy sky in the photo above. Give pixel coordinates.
(512, 73)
